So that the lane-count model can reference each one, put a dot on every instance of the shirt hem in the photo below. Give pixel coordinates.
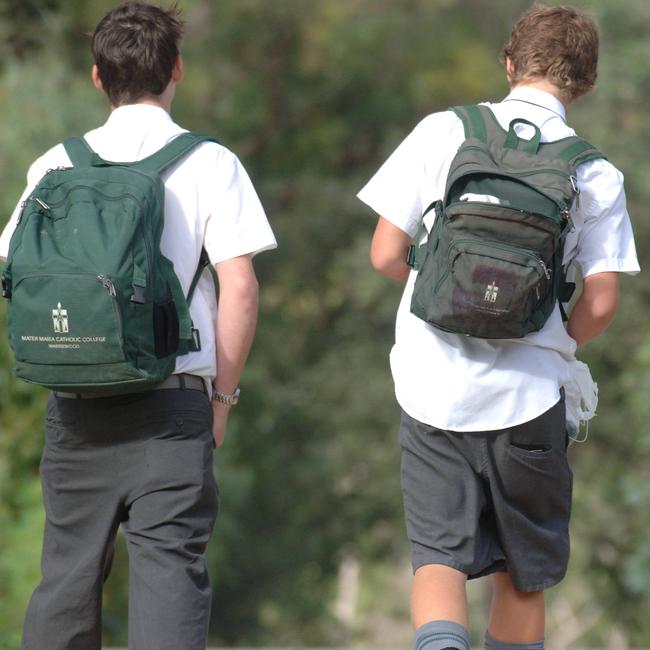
(425, 418)
(410, 227)
(592, 267)
(244, 251)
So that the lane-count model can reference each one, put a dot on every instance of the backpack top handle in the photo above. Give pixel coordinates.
(513, 141)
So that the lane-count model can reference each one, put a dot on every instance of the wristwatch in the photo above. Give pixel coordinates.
(225, 398)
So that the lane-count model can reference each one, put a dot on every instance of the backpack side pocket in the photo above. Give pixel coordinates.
(165, 327)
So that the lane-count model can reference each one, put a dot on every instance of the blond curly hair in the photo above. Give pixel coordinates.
(558, 44)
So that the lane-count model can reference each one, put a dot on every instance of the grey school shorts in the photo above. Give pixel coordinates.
(490, 501)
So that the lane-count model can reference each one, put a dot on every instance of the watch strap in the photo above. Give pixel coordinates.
(229, 399)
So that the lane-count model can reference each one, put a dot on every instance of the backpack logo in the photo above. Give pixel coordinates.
(60, 319)
(491, 292)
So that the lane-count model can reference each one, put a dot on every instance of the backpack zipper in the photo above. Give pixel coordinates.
(526, 173)
(524, 252)
(57, 169)
(516, 175)
(108, 197)
(555, 172)
(108, 284)
(563, 213)
(48, 208)
(538, 261)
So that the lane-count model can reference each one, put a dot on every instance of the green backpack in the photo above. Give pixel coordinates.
(93, 304)
(491, 266)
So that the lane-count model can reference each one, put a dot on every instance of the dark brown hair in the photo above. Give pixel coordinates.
(135, 47)
(555, 43)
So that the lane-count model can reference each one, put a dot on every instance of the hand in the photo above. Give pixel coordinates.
(220, 414)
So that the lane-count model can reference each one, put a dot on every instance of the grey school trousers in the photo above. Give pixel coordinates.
(143, 462)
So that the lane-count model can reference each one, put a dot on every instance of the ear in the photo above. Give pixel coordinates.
(510, 69)
(94, 73)
(178, 71)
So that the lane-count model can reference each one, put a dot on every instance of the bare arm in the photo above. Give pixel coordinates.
(595, 308)
(388, 251)
(236, 321)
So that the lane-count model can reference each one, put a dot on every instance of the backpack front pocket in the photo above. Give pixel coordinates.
(66, 319)
(481, 288)
(492, 288)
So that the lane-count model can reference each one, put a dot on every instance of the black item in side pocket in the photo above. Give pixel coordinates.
(165, 326)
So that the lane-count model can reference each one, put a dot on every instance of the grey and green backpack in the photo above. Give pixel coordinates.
(491, 266)
(93, 305)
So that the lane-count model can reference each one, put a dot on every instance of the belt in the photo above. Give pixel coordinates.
(182, 381)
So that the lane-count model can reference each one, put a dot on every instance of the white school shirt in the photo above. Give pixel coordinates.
(209, 201)
(467, 384)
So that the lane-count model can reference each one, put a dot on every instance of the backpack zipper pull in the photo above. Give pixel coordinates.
(108, 285)
(576, 189)
(546, 270)
(568, 221)
(6, 287)
(23, 205)
(43, 205)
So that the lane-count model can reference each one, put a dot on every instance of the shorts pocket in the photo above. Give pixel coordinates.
(541, 439)
(532, 450)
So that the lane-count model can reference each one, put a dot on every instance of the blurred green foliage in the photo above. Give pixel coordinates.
(313, 95)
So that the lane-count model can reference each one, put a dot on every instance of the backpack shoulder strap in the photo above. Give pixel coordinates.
(80, 153)
(471, 115)
(204, 261)
(579, 151)
(480, 123)
(172, 151)
(191, 342)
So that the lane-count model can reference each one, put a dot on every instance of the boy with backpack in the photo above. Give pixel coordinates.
(501, 200)
(130, 430)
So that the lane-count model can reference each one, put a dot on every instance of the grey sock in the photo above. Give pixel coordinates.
(440, 635)
(492, 644)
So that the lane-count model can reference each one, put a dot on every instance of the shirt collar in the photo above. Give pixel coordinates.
(141, 113)
(539, 98)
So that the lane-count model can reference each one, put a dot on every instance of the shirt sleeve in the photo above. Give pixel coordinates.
(606, 240)
(237, 224)
(414, 175)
